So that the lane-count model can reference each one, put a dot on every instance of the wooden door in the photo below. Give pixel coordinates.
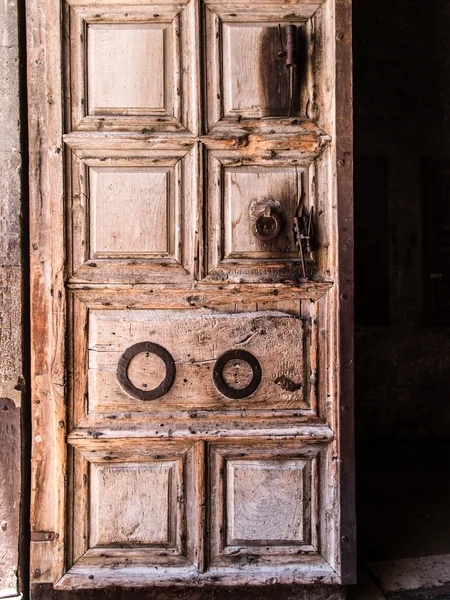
(191, 371)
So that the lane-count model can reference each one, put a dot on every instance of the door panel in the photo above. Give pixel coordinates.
(134, 506)
(187, 392)
(195, 341)
(132, 215)
(128, 65)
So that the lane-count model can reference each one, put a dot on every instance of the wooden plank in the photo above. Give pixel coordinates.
(195, 340)
(194, 296)
(47, 292)
(229, 426)
(344, 134)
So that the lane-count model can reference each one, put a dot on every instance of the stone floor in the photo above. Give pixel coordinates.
(403, 507)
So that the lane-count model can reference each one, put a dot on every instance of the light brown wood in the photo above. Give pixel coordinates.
(150, 161)
(195, 340)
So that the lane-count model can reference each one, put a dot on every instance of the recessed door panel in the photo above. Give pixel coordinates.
(196, 340)
(115, 85)
(133, 215)
(265, 502)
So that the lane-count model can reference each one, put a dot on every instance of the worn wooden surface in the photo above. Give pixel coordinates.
(346, 287)
(195, 340)
(156, 224)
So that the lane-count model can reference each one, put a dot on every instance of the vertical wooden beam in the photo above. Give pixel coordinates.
(344, 151)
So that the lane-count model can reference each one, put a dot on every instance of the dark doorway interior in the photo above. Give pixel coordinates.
(402, 210)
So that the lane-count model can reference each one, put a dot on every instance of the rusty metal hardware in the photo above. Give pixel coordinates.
(267, 218)
(267, 226)
(304, 236)
(289, 53)
(224, 388)
(43, 536)
(124, 362)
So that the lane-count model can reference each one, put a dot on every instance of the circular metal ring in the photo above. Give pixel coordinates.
(223, 387)
(124, 362)
(267, 226)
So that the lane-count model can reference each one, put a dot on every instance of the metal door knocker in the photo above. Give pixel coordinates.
(223, 387)
(124, 362)
(266, 215)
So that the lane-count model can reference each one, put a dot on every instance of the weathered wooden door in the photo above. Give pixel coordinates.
(191, 353)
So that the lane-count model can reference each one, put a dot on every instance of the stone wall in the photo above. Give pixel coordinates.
(11, 299)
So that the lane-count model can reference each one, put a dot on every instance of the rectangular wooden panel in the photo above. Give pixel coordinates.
(135, 504)
(195, 339)
(245, 190)
(129, 67)
(265, 501)
(141, 194)
(244, 60)
(235, 194)
(246, 46)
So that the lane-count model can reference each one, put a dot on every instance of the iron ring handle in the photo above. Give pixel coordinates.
(223, 387)
(163, 387)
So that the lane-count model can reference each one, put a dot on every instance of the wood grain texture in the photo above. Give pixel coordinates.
(265, 501)
(48, 325)
(154, 221)
(115, 84)
(204, 592)
(109, 51)
(130, 504)
(344, 135)
(156, 192)
(195, 339)
(247, 482)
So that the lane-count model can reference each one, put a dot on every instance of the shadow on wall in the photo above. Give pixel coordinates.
(402, 114)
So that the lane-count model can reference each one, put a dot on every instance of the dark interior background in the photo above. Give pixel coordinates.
(402, 212)
(402, 277)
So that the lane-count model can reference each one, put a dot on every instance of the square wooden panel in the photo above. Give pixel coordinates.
(244, 188)
(130, 212)
(236, 196)
(129, 66)
(274, 515)
(246, 76)
(114, 83)
(133, 502)
(132, 216)
(264, 502)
